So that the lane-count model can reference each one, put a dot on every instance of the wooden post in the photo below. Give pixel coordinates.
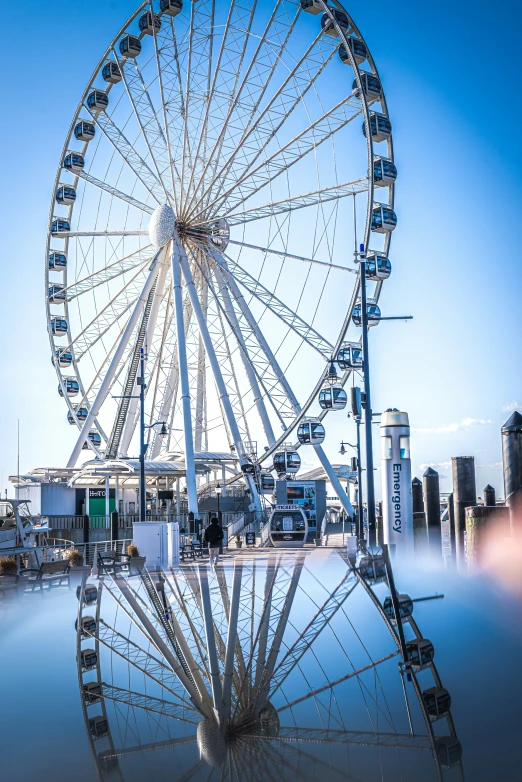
(482, 521)
(420, 533)
(431, 497)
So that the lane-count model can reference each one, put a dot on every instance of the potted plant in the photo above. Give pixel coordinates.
(318, 538)
(8, 566)
(239, 542)
(77, 563)
(136, 563)
(8, 574)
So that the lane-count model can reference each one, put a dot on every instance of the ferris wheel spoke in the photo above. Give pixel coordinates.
(255, 81)
(149, 665)
(283, 254)
(114, 192)
(264, 362)
(199, 68)
(148, 330)
(156, 354)
(107, 317)
(110, 272)
(182, 665)
(224, 301)
(224, 80)
(255, 179)
(121, 752)
(96, 234)
(88, 395)
(134, 161)
(219, 338)
(113, 366)
(314, 199)
(294, 321)
(340, 680)
(259, 132)
(352, 737)
(169, 383)
(149, 703)
(282, 601)
(151, 131)
(305, 640)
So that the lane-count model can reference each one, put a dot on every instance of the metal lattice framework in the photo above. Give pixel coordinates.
(244, 120)
(255, 664)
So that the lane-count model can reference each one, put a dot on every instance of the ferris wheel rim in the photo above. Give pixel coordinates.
(308, 403)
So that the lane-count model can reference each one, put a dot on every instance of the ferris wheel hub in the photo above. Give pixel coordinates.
(162, 225)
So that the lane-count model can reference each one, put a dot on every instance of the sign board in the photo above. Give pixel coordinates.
(284, 507)
(288, 525)
(302, 494)
(250, 538)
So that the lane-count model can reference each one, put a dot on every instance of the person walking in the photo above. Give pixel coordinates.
(213, 536)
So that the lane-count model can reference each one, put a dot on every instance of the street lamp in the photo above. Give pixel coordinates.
(140, 381)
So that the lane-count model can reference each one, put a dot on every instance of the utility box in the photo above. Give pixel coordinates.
(158, 541)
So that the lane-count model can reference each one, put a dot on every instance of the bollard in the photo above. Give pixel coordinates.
(114, 525)
(512, 461)
(484, 522)
(420, 533)
(86, 528)
(464, 495)
(489, 496)
(431, 494)
(416, 494)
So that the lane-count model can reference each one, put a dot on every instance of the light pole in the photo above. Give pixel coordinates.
(140, 381)
(367, 404)
(219, 489)
(370, 485)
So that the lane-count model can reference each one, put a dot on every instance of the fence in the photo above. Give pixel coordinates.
(58, 522)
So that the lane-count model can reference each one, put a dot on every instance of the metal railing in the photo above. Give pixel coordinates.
(265, 535)
(104, 522)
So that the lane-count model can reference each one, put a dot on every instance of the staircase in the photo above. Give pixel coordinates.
(163, 614)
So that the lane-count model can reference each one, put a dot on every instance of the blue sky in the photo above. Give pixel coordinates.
(450, 75)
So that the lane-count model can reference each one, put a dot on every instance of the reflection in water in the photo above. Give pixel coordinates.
(351, 727)
(266, 668)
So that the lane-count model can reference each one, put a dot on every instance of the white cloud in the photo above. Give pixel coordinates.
(494, 466)
(436, 466)
(455, 427)
(511, 406)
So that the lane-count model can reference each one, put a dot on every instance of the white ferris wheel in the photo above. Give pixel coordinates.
(223, 162)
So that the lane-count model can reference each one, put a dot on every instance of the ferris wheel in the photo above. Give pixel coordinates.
(222, 164)
(260, 671)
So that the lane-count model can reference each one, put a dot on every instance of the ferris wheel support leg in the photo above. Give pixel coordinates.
(334, 480)
(252, 379)
(190, 466)
(113, 366)
(228, 671)
(217, 695)
(216, 370)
